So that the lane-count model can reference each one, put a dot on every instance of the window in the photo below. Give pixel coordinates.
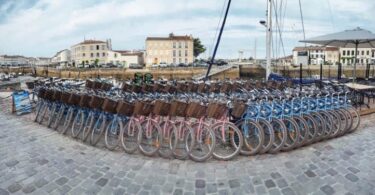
(180, 60)
(103, 54)
(343, 52)
(179, 44)
(174, 44)
(97, 47)
(83, 54)
(115, 55)
(92, 55)
(103, 47)
(373, 53)
(174, 60)
(97, 54)
(179, 53)
(186, 61)
(91, 47)
(186, 45)
(186, 53)
(352, 52)
(368, 52)
(174, 53)
(363, 53)
(361, 61)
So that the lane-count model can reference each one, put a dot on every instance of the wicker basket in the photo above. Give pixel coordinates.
(214, 88)
(238, 109)
(109, 106)
(136, 88)
(126, 86)
(65, 97)
(158, 87)
(143, 108)
(89, 84)
(226, 88)
(202, 88)
(56, 95)
(216, 110)
(41, 93)
(178, 108)
(49, 94)
(74, 99)
(181, 87)
(196, 110)
(147, 88)
(125, 108)
(192, 87)
(106, 86)
(96, 102)
(85, 101)
(97, 85)
(161, 108)
(170, 89)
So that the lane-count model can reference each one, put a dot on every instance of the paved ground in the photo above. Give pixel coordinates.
(34, 159)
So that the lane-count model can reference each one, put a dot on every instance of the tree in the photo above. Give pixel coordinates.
(96, 62)
(198, 47)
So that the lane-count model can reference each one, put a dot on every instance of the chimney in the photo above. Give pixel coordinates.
(171, 34)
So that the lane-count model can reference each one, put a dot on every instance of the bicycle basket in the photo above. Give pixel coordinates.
(125, 108)
(109, 105)
(65, 97)
(181, 87)
(239, 109)
(106, 86)
(195, 110)
(226, 88)
(142, 108)
(202, 88)
(74, 99)
(96, 102)
(192, 87)
(214, 88)
(161, 108)
(56, 95)
(89, 84)
(147, 88)
(85, 101)
(97, 85)
(49, 94)
(178, 108)
(158, 87)
(41, 93)
(170, 89)
(136, 88)
(216, 110)
(126, 86)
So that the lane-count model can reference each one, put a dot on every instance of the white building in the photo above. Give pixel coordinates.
(62, 58)
(13, 60)
(315, 55)
(125, 58)
(42, 61)
(364, 56)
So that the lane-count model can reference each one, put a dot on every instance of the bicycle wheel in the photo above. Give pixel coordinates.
(293, 134)
(59, 118)
(321, 126)
(112, 134)
(68, 120)
(343, 120)
(228, 140)
(312, 128)
(98, 129)
(51, 116)
(179, 139)
(269, 135)
(349, 118)
(303, 130)
(328, 119)
(355, 117)
(149, 137)
(39, 108)
(44, 111)
(165, 150)
(129, 135)
(336, 123)
(78, 122)
(281, 135)
(200, 142)
(89, 124)
(253, 136)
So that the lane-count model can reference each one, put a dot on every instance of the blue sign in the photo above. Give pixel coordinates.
(21, 102)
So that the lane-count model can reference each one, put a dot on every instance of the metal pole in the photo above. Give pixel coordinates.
(355, 62)
(268, 38)
(300, 76)
(218, 41)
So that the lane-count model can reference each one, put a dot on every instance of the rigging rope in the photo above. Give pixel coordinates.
(218, 27)
(303, 25)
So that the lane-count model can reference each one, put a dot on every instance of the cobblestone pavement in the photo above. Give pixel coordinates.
(37, 160)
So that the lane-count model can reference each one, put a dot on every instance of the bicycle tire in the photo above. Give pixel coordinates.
(312, 132)
(321, 126)
(149, 145)
(178, 140)
(303, 130)
(269, 135)
(251, 146)
(90, 122)
(207, 138)
(165, 149)
(329, 124)
(350, 120)
(112, 134)
(98, 130)
(68, 120)
(356, 119)
(59, 117)
(233, 139)
(293, 134)
(38, 109)
(43, 113)
(129, 136)
(51, 115)
(77, 124)
(336, 121)
(280, 135)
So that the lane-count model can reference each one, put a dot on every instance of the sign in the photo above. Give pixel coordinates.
(21, 102)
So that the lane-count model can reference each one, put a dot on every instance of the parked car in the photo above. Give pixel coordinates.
(182, 65)
(135, 66)
(155, 66)
(163, 65)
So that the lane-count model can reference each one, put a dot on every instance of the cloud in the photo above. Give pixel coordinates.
(43, 27)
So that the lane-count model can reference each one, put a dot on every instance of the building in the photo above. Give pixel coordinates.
(125, 58)
(42, 61)
(13, 60)
(285, 61)
(90, 52)
(172, 49)
(62, 58)
(364, 56)
(315, 55)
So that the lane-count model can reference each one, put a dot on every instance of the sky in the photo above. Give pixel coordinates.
(44, 27)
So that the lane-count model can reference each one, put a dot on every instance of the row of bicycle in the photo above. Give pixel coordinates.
(198, 125)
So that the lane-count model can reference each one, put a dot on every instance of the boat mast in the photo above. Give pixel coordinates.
(268, 38)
